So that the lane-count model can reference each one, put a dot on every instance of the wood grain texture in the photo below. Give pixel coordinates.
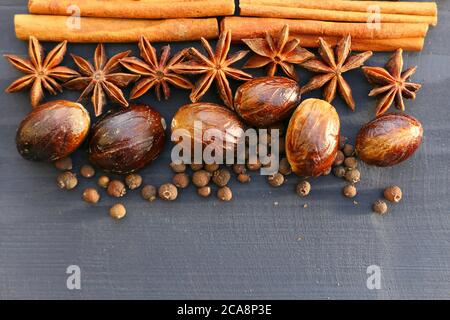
(249, 248)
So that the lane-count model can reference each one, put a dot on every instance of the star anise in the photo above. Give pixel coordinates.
(104, 78)
(334, 63)
(276, 52)
(155, 73)
(392, 83)
(41, 73)
(214, 67)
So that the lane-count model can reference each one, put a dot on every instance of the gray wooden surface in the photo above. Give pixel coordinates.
(249, 248)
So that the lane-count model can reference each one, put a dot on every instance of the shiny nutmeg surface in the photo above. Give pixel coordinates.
(264, 101)
(312, 138)
(127, 140)
(52, 131)
(389, 139)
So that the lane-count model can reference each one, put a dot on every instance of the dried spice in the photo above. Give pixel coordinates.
(393, 194)
(225, 194)
(276, 180)
(41, 73)
(118, 211)
(91, 195)
(243, 178)
(168, 192)
(201, 178)
(279, 51)
(392, 83)
(334, 63)
(149, 193)
(340, 158)
(303, 188)
(181, 180)
(211, 167)
(351, 163)
(380, 207)
(116, 189)
(348, 150)
(204, 191)
(63, 164)
(349, 191)
(87, 171)
(133, 181)
(178, 168)
(217, 66)
(67, 180)
(353, 176)
(155, 73)
(101, 80)
(339, 171)
(103, 182)
(221, 177)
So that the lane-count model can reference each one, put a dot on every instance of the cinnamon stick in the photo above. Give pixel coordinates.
(143, 9)
(409, 8)
(271, 11)
(246, 27)
(60, 28)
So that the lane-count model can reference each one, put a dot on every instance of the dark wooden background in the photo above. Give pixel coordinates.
(249, 248)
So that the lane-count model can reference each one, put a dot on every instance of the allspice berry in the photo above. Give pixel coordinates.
(204, 191)
(285, 167)
(116, 189)
(353, 176)
(148, 192)
(87, 171)
(342, 142)
(181, 180)
(196, 166)
(133, 181)
(91, 195)
(67, 180)
(348, 150)
(349, 191)
(103, 182)
(211, 167)
(117, 211)
(340, 157)
(178, 168)
(254, 166)
(243, 178)
(64, 164)
(380, 207)
(225, 194)
(351, 162)
(168, 192)
(201, 178)
(221, 177)
(276, 180)
(393, 194)
(239, 168)
(339, 171)
(303, 188)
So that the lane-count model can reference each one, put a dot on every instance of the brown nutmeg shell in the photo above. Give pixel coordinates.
(389, 139)
(127, 140)
(312, 138)
(53, 131)
(264, 101)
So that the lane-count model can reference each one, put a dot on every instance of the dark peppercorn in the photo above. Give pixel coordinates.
(303, 188)
(221, 177)
(243, 178)
(340, 157)
(133, 181)
(168, 192)
(348, 150)
(225, 194)
(91, 195)
(67, 180)
(276, 180)
(87, 171)
(339, 171)
(118, 211)
(204, 191)
(196, 167)
(149, 193)
(380, 207)
(63, 164)
(181, 180)
(178, 168)
(351, 162)
(201, 178)
(353, 176)
(285, 167)
(239, 168)
(393, 194)
(349, 191)
(103, 182)
(211, 167)
(116, 189)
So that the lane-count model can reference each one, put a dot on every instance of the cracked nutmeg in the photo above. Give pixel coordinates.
(216, 66)
(103, 79)
(41, 72)
(391, 83)
(277, 52)
(333, 64)
(155, 73)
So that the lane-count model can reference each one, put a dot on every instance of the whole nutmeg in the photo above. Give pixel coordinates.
(276, 180)
(389, 139)
(118, 211)
(211, 116)
(168, 192)
(87, 171)
(303, 188)
(67, 180)
(349, 191)
(312, 138)
(133, 181)
(127, 140)
(181, 180)
(91, 195)
(264, 101)
(64, 164)
(380, 207)
(52, 131)
(201, 178)
(353, 176)
(204, 191)
(116, 189)
(103, 182)
(221, 177)
(149, 192)
(225, 194)
(393, 194)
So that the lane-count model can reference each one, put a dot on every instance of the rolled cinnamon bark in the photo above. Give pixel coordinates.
(131, 9)
(255, 10)
(60, 28)
(411, 8)
(246, 27)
